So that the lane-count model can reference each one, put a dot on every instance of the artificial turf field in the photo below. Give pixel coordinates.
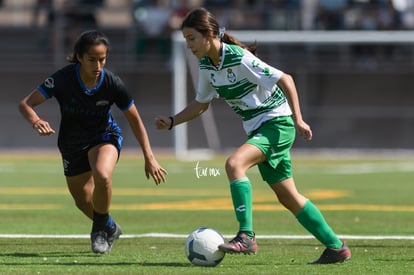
(368, 201)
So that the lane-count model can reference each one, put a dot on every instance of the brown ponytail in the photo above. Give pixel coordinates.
(205, 23)
(227, 38)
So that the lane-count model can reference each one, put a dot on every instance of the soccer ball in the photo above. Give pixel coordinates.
(201, 247)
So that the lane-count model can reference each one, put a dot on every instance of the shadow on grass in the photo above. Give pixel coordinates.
(100, 264)
(165, 264)
(47, 259)
(50, 254)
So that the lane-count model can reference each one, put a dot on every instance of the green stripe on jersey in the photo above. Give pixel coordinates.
(232, 57)
(276, 99)
(234, 91)
(247, 84)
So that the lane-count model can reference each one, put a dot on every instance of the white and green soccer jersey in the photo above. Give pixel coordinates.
(246, 83)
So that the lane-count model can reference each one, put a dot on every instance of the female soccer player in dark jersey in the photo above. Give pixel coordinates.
(89, 139)
(266, 100)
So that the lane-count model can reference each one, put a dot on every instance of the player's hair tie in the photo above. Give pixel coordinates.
(222, 30)
(172, 122)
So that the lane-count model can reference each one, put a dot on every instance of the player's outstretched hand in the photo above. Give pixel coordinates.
(162, 122)
(154, 170)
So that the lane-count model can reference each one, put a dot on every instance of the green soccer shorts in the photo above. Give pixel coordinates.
(275, 138)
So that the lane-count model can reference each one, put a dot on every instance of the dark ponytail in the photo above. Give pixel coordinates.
(85, 41)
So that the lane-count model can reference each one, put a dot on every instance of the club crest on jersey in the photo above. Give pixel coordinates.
(231, 76)
(49, 83)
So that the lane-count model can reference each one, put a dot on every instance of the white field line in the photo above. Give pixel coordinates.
(183, 236)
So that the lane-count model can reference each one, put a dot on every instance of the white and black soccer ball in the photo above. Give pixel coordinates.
(201, 247)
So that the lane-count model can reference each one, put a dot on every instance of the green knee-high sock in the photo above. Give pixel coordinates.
(241, 194)
(312, 219)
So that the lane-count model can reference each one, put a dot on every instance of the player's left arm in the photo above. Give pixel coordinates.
(152, 168)
(287, 84)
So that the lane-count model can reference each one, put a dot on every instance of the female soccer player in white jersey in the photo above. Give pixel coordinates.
(267, 101)
(89, 138)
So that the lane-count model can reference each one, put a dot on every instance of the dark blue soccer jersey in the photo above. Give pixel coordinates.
(85, 114)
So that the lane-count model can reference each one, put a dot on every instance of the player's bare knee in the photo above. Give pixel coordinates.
(232, 165)
(102, 178)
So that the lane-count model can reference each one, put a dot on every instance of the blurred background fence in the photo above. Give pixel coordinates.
(354, 95)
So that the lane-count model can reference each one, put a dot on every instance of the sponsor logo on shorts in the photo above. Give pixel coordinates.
(65, 165)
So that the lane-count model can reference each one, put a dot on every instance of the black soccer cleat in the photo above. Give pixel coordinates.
(334, 255)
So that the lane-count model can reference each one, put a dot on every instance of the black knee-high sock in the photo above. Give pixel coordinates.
(99, 221)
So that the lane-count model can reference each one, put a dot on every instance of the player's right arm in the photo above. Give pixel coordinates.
(193, 110)
(26, 108)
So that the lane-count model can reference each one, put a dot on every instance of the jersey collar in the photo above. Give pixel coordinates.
(86, 90)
